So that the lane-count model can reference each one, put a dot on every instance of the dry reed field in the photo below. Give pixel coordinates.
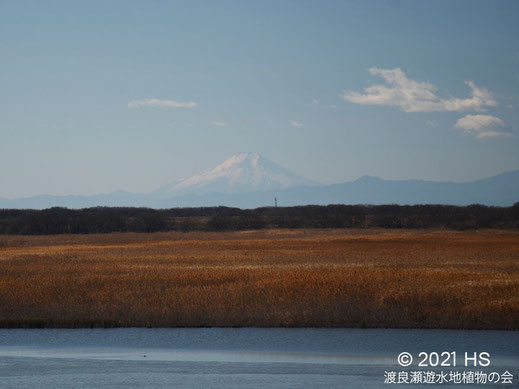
(318, 278)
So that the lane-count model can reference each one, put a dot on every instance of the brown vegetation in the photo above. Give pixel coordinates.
(339, 278)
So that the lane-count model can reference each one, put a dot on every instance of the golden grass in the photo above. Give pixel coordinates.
(339, 278)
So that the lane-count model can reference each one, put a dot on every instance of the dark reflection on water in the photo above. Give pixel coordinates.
(231, 358)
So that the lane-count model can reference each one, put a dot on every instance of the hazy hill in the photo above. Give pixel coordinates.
(249, 180)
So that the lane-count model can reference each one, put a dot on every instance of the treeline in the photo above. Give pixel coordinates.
(120, 219)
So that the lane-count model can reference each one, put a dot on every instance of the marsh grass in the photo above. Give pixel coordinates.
(318, 278)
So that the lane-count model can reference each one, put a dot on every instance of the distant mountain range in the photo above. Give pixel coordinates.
(249, 180)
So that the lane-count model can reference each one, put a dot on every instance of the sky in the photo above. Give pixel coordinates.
(97, 96)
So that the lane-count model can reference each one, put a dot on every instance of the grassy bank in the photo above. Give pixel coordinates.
(337, 278)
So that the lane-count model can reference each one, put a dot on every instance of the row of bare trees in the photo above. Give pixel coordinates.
(122, 219)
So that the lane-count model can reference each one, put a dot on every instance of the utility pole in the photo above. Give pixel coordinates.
(275, 202)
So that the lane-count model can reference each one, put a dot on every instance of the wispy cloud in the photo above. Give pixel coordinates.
(481, 126)
(218, 124)
(295, 123)
(417, 96)
(50, 126)
(161, 103)
(431, 123)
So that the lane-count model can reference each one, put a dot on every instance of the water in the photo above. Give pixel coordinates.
(238, 358)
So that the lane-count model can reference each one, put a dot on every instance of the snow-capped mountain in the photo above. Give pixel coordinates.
(240, 173)
(249, 180)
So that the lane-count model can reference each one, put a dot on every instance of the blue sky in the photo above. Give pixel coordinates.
(97, 96)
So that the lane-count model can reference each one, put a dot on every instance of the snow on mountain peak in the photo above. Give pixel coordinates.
(243, 158)
(244, 172)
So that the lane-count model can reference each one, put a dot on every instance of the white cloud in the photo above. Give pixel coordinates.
(431, 123)
(417, 96)
(481, 126)
(160, 103)
(294, 123)
(315, 102)
(50, 126)
(218, 124)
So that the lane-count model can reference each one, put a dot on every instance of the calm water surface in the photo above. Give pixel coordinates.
(238, 358)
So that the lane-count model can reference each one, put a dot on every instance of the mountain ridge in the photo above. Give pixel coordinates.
(243, 172)
(249, 180)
